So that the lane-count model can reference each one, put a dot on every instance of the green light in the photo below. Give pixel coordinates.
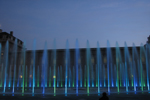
(73, 84)
(26, 84)
(132, 81)
(54, 85)
(37, 84)
(120, 85)
(49, 83)
(38, 78)
(85, 82)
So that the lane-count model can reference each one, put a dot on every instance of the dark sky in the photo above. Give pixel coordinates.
(93, 20)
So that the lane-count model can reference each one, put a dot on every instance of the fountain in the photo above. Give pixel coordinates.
(84, 71)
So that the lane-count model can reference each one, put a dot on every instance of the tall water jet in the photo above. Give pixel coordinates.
(24, 60)
(128, 70)
(126, 55)
(77, 61)
(112, 81)
(88, 65)
(58, 76)
(67, 58)
(135, 58)
(92, 74)
(118, 62)
(98, 66)
(9, 84)
(142, 59)
(73, 80)
(104, 73)
(44, 67)
(70, 76)
(134, 62)
(33, 59)
(108, 64)
(54, 68)
(117, 65)
(6, 63)
(147, 64)
(15, 49)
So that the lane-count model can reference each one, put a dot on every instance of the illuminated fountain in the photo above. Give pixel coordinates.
(118, 72)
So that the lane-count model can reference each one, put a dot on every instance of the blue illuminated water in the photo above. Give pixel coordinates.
(83, 71)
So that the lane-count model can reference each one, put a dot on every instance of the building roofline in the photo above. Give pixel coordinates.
(72, 49)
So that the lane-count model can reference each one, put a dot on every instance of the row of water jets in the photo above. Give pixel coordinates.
(119, 71)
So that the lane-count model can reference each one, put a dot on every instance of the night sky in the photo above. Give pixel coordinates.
(93, 20)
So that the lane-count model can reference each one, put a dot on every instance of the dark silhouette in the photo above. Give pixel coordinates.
(104, 97)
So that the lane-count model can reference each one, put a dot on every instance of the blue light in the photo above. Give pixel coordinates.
(112, 85)
(80, 85)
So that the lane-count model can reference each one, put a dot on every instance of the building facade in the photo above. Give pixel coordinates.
(56, 60)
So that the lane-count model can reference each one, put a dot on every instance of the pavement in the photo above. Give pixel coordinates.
(112, 96)
(71, 94)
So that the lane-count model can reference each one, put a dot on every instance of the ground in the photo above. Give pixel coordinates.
(71, 94)
(112, 96)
